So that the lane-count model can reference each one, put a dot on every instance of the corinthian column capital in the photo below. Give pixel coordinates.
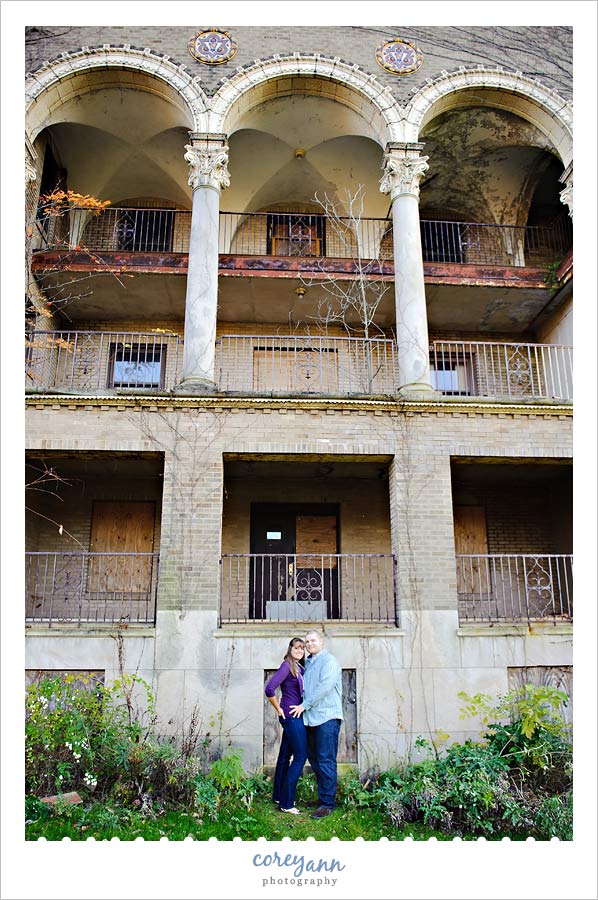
(208, 162)
(566, 194)
(403, 168)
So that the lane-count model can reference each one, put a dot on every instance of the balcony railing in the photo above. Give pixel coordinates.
(295, 588)
(306, 235)
(79, 588)
(506, 588)
(288, 365)
(473, 243)
(118, 230)
(505, 371)
(95, 360)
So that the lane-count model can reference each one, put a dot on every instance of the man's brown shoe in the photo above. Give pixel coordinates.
(320, 812)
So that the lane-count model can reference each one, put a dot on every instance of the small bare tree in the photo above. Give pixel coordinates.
(354, 302)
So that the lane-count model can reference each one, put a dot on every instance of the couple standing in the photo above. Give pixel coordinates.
(310, 712)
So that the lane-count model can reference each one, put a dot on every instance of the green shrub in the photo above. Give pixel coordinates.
(227, 772)
(81, 735)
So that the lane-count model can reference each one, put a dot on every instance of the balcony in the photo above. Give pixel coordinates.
(91, 588)
(304, 236)
(294, 365)
(81, 361)
(509, 588)
(503, 371)
(295, 588)
(297, 365)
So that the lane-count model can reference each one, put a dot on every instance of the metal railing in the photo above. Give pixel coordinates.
(475, 243)
(95, 360)
(291, 364)
(79, 588)
(349, 587)
(117, 229)
(303, 234)
(141, 230)
(514, 587)
(514, 371)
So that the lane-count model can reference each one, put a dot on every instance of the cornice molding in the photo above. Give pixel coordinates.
(446, 407)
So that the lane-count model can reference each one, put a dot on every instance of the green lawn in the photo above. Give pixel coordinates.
(262, 820)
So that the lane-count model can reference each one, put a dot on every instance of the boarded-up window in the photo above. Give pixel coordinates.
(316, 534)
(120, 531)
(347, 742)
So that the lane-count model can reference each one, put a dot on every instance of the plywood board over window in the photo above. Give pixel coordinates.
(471, 537)
(121, 527)
(316, 534)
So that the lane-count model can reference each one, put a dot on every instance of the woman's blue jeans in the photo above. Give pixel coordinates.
(293, 745)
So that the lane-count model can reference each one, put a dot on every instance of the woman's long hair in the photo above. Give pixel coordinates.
(290, 659)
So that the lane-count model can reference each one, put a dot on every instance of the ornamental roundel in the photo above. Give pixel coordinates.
(399, 57)
(212, 47)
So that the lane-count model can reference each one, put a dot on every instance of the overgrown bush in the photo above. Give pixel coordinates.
(517, 779)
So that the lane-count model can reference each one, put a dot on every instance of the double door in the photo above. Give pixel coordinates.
(294, 572)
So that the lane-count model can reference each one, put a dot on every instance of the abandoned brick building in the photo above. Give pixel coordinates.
(311, 365)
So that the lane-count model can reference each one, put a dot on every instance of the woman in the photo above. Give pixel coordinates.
(289, 678)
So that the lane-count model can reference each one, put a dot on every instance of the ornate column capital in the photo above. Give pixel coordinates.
(566, 194)
(403, 168)
(208, 161)
(30, 160)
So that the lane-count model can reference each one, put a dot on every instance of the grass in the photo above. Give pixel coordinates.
(104, 822)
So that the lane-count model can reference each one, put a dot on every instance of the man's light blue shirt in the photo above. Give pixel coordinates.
(322, 689)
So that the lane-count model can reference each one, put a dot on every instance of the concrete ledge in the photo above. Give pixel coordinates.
(131, 631)
(339, 629)
(507, 630)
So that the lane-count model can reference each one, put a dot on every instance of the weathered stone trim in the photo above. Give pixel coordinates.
(177, 77)
(551, 104)
(447, 407)
(314, 66)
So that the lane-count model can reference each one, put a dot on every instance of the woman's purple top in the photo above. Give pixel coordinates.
(291, 687)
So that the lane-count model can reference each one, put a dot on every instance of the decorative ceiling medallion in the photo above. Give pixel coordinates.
(399, 57)
(212, 47)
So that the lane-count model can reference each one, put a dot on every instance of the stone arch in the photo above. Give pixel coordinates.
(312, 74)
(142, 69)
(509, 91)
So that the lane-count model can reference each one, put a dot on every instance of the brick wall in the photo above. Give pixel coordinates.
(443, 48)
(195, 439)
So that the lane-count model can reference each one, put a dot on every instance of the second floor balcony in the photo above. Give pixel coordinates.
(301, 239)
(293, 365)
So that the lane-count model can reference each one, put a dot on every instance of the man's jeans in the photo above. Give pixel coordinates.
(322, 749)
(293, 743)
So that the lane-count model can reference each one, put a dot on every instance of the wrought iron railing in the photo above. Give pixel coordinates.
(349, 587)
(96, 360)
(118, 229)
(476, 243)
(510, 587)
(99, 588)
(512, 371)
(292, 364)
(303, 234)
(278, 234)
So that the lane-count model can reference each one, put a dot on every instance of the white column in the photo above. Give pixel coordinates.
(566, 194)
(207, 156)
(403, 168)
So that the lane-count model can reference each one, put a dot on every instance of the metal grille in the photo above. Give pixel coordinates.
(95, 360)
(309, 235)
(514, 371)
(514, 588)
(475, 243)
(271, 364)
(295, 588)
(91, 587)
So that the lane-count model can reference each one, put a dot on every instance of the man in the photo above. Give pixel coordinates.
(322, 714)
